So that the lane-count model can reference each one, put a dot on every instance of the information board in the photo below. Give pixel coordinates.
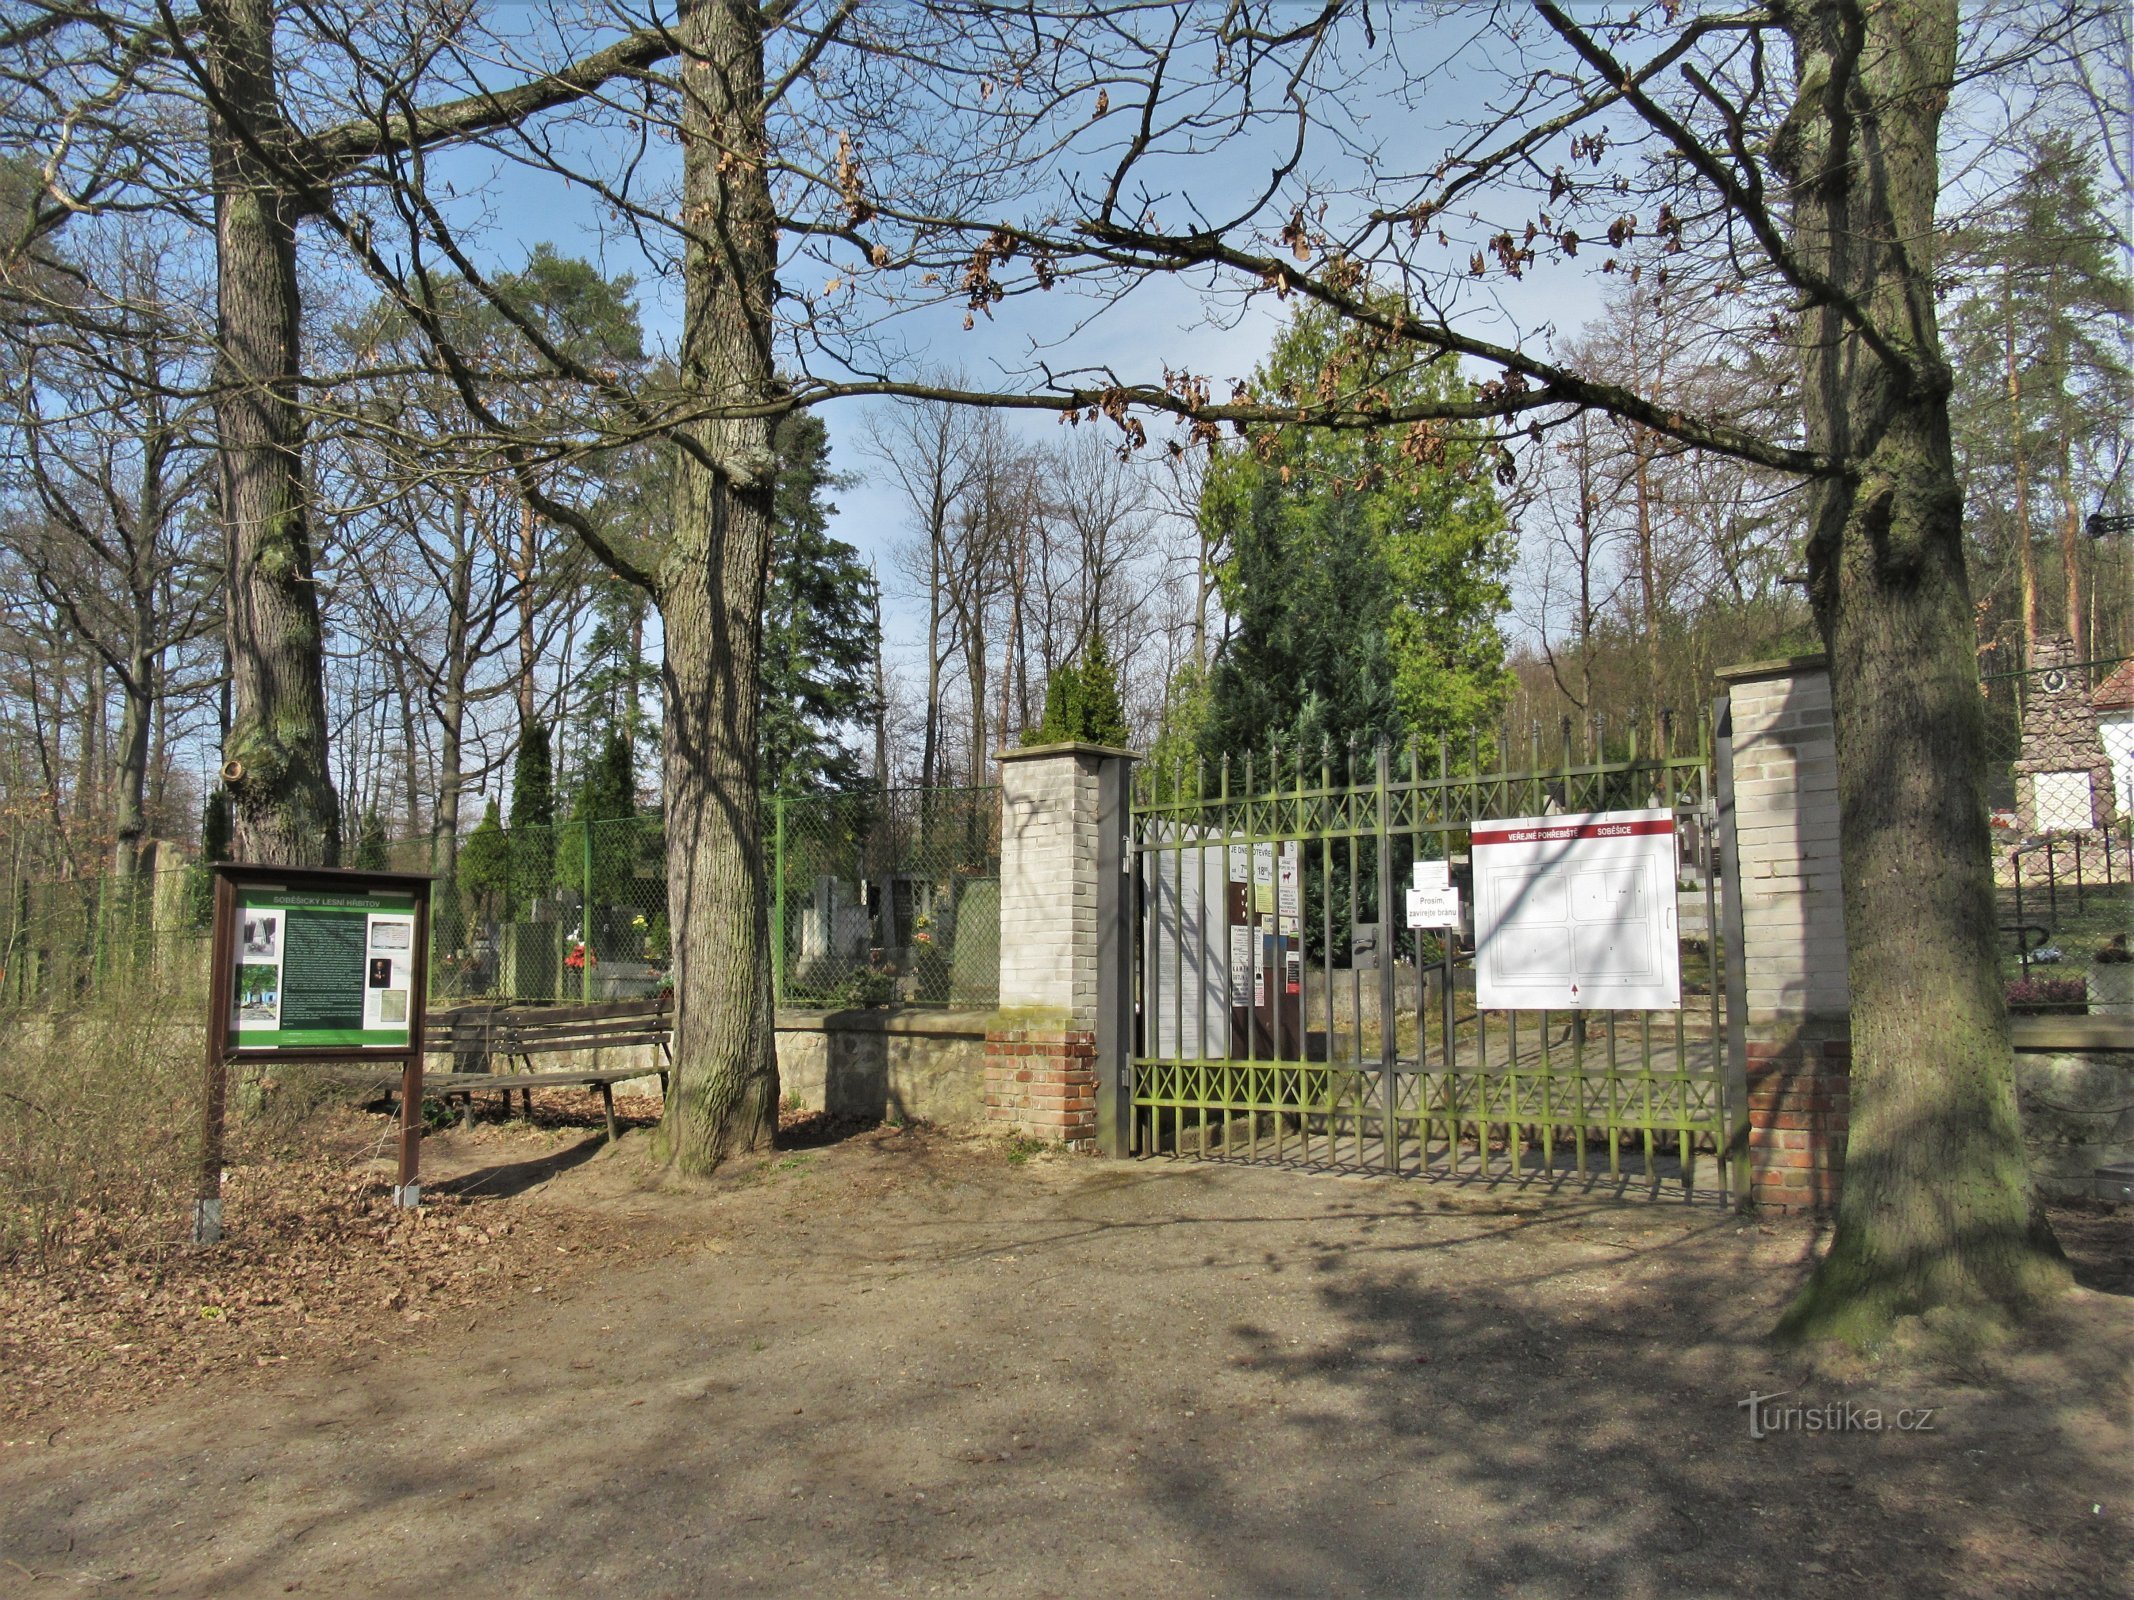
(1577, 912)
(316, 964)
(317, 969)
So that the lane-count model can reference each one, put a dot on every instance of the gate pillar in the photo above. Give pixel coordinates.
(1790, 1018)
(1057, 1051)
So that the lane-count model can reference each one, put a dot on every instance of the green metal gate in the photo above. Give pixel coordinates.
(1343, 1040)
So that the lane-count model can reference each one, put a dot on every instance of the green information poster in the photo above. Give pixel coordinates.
(315, 968)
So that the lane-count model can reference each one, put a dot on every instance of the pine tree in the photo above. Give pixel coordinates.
(819, 629)
(2043, 392)
(1363, 575)
(1101, 715)
(533, 815)
(215, 827)
(605, 807)
(485, 867)
(214, 846)
(1082, 702)
(1063, 698)
(615, 676)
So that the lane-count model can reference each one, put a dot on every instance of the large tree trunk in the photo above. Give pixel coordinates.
(283, 807)
(129, 860)
(1936, 1212)
(2026, 558)
(529, 656)
(724, 1100)
(930, 743)
(2071, 548)
(452, 709)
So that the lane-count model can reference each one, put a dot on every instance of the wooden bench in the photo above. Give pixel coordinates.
(477, 1036)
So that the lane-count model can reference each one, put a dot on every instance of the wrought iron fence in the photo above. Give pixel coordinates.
(2060, 788)
(877, 899)
(1288, 1013)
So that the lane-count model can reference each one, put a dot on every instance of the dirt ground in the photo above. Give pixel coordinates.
(905, 1362)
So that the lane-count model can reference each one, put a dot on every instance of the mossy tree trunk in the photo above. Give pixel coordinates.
(724, 1100)
(283, 807)
(1936, 1214)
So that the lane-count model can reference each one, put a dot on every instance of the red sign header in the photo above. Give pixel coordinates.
(1548, 834)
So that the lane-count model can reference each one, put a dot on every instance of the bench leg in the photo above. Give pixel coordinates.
(466, 1110)
(607, 1104)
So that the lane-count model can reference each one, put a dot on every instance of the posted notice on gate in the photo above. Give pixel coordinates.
(1577, 913)
(316, 968)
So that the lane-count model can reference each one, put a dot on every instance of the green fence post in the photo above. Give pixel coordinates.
(778, 900)
(585, 912)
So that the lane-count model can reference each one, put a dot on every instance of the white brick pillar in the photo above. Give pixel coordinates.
(1789, 1000)
(1056, 1057)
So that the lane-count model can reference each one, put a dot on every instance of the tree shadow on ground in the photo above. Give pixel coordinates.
(2099, 1241)
(503, 1180)
(813, 1130)
(1201, 1381)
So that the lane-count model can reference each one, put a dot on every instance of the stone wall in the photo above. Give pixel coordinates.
(916, 1066)
(907, 1066)
(2074, 1079)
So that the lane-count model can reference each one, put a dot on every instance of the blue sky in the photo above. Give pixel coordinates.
(1162, 323)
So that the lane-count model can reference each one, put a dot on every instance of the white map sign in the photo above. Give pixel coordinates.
(1577, 913)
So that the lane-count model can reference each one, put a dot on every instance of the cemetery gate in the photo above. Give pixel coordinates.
(1287, 1014)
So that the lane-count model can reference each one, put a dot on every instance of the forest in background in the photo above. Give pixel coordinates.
(1276, 584)
(1609, 577)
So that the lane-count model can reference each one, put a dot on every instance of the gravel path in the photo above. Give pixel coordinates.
(907, 1363)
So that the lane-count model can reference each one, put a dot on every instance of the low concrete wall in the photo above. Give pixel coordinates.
(924, 1066)
(2078, 1115)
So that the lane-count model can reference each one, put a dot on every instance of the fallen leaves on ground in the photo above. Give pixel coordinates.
(316, 1259)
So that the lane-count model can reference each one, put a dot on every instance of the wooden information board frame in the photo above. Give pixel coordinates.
(342, 890)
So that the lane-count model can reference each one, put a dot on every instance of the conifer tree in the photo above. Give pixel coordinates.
(1082, 702)
(1364, 586)
(485, 867)
(533, 815)
(819, 627)
(605, 809)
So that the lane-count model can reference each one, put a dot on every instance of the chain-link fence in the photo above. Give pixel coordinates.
(877, 899)
(571, 912)
(2060, 786)
(72, 941)
(891, 898)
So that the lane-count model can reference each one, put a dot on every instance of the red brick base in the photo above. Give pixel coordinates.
(1043, 1083)
(1799, 1105)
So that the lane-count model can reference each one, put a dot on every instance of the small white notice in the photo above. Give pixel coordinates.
(1577, 913)
(1289, 891)
(1432, 900)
